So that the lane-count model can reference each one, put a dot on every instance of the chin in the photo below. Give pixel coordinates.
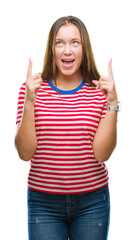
(69, 72)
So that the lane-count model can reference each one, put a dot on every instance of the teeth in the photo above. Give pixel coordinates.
(67, 60)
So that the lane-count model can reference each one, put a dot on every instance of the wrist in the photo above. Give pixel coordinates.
(115, 107)
(29, 103)
(113, 103)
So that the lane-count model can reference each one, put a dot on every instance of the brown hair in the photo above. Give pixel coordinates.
(88, 66)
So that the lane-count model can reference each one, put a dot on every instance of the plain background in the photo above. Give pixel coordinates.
(24, 31)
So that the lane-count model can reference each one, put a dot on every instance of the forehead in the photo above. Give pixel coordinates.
(68, 31)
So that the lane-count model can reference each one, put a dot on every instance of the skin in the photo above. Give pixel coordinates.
(68, 47)
(107, 86)
(25, 140)
(106, 136)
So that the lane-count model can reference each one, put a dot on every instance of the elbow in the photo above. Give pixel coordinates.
(23, 154)
(24, 157)
(102, 159)
(101, 156)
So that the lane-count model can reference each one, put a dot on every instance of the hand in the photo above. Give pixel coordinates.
(107, 86)
(33, 84)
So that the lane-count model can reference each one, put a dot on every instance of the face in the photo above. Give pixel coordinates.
(68, 50)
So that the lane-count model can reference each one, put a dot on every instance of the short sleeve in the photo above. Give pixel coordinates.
(20, 103)
(104, 110)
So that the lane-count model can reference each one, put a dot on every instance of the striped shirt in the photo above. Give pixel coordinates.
(66, 122)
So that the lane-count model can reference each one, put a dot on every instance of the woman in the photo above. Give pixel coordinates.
(66, 130)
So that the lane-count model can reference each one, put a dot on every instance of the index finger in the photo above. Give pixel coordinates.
(29, 72)
(110, 72)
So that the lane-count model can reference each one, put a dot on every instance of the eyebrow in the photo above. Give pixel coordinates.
(73, 39)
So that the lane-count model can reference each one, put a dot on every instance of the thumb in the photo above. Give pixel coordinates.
(96, 82)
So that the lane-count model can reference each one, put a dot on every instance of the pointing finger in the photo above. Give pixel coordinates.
(29, 72)
(110, 72)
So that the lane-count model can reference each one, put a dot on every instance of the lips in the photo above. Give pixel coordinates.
(68, 62)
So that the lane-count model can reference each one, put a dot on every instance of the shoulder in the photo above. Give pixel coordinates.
(44, 83)
(94, 94)
(22, 89)
(93, 89)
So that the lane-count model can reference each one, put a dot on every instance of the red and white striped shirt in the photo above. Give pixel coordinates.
(65, 125)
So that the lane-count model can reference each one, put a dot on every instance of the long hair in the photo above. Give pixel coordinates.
(88, 65)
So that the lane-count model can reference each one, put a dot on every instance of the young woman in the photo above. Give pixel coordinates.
(67, 127)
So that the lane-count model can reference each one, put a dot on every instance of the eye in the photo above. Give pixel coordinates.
(59, 43)
(75, 42)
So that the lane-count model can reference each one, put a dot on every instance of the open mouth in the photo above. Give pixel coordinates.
(68, 62)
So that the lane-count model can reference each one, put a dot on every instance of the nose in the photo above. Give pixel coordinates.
(67, 50)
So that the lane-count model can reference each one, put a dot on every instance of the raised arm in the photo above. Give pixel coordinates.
(106, 136)
(25, 139)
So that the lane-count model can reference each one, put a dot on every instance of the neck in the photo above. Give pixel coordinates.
(68, 82)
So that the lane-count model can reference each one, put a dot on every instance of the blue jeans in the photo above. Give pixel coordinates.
(83, 216)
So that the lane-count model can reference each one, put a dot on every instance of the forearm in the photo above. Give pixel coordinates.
(106, 136)
(25, 140)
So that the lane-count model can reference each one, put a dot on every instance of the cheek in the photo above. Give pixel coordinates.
(80, 56)
(57, 56)
(80, 53)
(58, 51)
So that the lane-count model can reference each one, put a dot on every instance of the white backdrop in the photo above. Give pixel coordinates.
(24, 31)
